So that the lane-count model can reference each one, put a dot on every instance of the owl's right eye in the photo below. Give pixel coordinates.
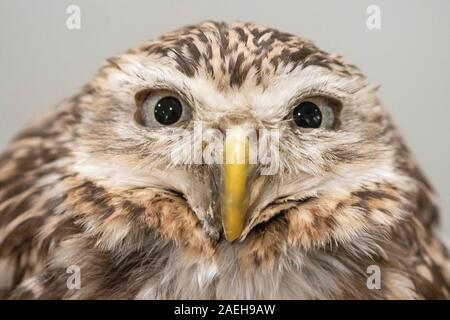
(163, 109)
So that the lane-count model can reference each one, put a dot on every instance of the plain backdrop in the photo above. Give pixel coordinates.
(41, 61)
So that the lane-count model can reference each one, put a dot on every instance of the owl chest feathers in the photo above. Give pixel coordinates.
(302, 277)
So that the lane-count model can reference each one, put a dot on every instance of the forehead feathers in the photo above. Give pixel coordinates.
(231, 54)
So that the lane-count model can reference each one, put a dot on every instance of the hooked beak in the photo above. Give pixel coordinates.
(236, 173)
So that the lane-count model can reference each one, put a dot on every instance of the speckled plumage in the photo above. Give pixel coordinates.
(89, 186)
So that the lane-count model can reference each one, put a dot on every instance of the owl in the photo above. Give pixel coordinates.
(112, 195)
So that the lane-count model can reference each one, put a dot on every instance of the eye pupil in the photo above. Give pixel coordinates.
(307, 115)
(168, 110)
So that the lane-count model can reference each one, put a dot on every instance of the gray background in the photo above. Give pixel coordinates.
(41, 61)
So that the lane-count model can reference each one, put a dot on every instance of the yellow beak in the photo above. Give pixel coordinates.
(235, 176)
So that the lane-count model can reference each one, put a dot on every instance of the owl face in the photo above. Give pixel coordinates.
(337, 177)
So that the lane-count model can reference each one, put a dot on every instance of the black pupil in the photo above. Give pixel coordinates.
(307, 115)
(168, 110)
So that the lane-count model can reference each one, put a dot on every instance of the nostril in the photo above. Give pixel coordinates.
(235, 119)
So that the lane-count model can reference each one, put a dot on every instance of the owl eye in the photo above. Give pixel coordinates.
(168, 110)
(163, 109)
(313, 113)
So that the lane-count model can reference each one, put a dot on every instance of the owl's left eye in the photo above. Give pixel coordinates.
(163, 108)
(314, 113)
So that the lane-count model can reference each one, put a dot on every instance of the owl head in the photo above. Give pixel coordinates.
(161, 126)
